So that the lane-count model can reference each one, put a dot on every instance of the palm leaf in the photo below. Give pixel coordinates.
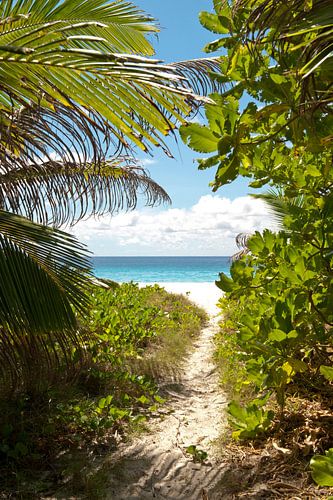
(241, 242)
(121, 24)
(281, 206)
(59, 194)
(44, 275)
(34, 258)
(62, 52)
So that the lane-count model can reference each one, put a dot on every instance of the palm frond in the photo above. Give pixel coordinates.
(197, 75)
(281, 206)
(44, 275)
(63, 193)
(61, 52)
(33, 258)
(241, 242)
(118, 24)
(87, 163)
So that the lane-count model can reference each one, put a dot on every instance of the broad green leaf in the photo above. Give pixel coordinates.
(199, 137)
(278, 78)
(293, 334)
(327, 371)
(256, 243)
(322, 468)
(277, 335)
(227, 171)
(102, 403)
(224, 145)
(225, 283)
(213, 23)
(214, 46)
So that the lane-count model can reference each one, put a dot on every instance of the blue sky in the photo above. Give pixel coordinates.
(182, 37)
(198, 222)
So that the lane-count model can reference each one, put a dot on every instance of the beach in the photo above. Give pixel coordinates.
(205, 294)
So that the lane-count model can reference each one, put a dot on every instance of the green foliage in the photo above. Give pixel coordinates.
(197, 454)
(327, 371)
(122, 323)
(115, 388)
(80, 69)
(278, 299)
(86, 68)
(281, 127)
(144, 329)
(248, 422)
(39, 330)
(283, 292)
(322, 468)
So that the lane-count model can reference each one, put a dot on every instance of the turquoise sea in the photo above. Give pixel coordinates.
(161, 269)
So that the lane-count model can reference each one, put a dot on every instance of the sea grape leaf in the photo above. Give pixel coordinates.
(214, 23)
(199, 137)
(225, 283)
(322, 468)
(277, 335)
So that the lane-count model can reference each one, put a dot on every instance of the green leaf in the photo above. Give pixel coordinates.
(278, 78)
(143, 400)
(256, 243)
(225, 283)
(199, 137)
(327, 371)
(214, 46)
(191, 449)
(102, 403)
(214, 23)
(322, 468)
(277, 335)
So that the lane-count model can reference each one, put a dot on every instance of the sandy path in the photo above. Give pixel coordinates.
(156, 464)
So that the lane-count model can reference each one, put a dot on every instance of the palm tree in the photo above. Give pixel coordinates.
(79, 94)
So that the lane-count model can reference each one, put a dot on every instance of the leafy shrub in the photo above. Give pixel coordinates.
(126, 328)
(248, 422)
(283, 316)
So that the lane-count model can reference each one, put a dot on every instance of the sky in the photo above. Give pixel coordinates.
(198, 222)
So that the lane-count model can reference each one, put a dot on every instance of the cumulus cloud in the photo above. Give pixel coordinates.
(207, 228)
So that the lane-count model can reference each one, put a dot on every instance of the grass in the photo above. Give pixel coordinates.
(164, 355)
(52, 441)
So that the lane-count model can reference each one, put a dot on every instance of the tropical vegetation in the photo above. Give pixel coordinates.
(273, 124)
(80, 96)
(79, 93)
(135, 340)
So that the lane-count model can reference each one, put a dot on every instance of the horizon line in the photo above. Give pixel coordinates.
(150, 256)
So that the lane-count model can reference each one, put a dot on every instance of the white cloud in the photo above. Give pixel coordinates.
(146, 162)
(207, 228)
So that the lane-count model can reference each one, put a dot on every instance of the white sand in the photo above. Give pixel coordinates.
(156, 464)
(204, 294)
